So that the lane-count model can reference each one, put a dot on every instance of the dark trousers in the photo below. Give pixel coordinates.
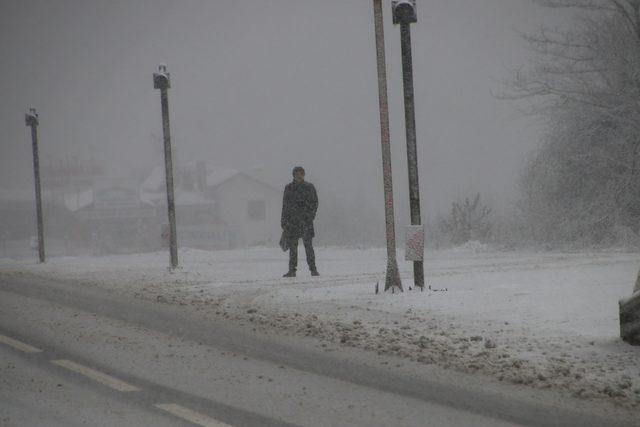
(293, 253)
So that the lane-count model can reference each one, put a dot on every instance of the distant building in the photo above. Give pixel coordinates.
(219, 207)
(216, 208)
(113, 218)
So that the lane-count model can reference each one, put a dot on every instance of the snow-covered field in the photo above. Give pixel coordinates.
(541, 319)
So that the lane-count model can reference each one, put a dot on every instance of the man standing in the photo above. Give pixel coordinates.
(299, 206)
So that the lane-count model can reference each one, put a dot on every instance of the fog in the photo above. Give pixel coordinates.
(264, 86)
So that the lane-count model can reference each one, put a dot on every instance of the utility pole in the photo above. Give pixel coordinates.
(404, 13)
(393, 276)
(31, 120)
(161, 80)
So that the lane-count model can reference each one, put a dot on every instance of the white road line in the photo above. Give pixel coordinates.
(18, 345)
(96, 375)
(191, 416)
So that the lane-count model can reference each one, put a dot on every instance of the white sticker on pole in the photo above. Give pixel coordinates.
(414, 242)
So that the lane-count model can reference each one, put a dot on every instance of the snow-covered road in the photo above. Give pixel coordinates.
(547, 320)
(132, 359)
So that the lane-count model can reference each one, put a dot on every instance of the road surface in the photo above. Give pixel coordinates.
(72, 355)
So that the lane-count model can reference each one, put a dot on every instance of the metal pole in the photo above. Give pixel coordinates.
(405, 14)
(393, 276)
(162, 81)
(31, 120)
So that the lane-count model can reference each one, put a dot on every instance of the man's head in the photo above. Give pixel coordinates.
(298, 174)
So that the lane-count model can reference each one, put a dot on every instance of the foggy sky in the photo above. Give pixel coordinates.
(269, 85)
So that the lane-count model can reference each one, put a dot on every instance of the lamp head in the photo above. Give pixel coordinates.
(31, 118)
(161, 79)
(404, 11)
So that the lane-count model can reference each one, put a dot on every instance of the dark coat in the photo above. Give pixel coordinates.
(299, 206)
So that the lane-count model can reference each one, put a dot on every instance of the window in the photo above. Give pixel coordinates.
(257, 210)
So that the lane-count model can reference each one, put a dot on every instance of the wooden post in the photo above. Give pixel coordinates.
(393, 276)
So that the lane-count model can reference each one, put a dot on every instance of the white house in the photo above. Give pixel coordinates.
(219, 207)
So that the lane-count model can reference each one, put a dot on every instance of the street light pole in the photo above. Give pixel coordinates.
(393, 277)
(161, 80)
(404, 13)
(31, 120)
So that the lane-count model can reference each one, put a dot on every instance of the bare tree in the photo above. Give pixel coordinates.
(585, 83)
(467, 220)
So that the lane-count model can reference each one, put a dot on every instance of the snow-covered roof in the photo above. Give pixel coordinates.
(182, 198)
(114, 197)
(152, 198)
(214, 176)
(155, 180)
(217, 176)
(79, 200)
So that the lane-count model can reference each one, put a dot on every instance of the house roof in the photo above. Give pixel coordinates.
(215, 176)
(182, 198)
(79, 200)
(219, 175)
(154, 181)
(92, 199)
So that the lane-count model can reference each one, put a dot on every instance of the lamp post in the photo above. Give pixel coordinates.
(404, 13)
(31, 120)
(161, 80)
(393, 277)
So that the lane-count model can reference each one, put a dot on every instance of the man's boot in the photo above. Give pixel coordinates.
(314, 272)
(290, 274)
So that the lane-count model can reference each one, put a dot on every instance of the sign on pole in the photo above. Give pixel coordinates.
(414, 243)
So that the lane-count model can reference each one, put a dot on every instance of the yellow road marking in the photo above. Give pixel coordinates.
(18, 345)
(96, 375)
(191, 416)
